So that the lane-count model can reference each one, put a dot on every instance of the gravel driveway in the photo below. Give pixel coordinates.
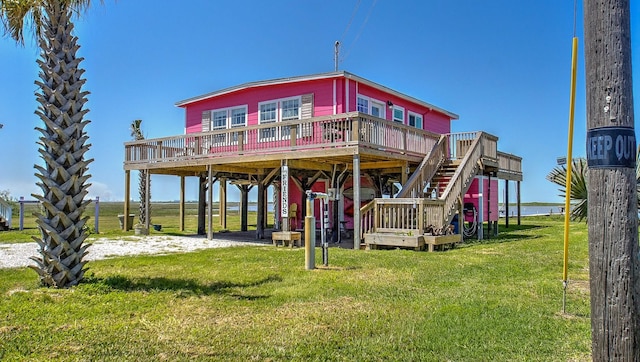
(17, 255)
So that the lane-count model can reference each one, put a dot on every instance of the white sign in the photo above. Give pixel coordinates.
(284, 191)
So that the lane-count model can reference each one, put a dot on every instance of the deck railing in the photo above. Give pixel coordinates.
(426, 170)
(401, 215)
(509, 163)
(453, 146)
(415, 215)
(463, 176)
(6, 211)
(342, 130)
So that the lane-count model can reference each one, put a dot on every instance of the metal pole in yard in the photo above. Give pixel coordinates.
(324, 212)
(309, 234)
(567, 196)
(21, 213)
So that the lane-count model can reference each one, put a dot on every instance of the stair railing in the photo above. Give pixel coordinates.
(367, 218)
(6, 212)
(416, 214)
(463, 176)
(426, 170)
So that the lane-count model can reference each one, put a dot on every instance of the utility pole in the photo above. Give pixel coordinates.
(612, 218)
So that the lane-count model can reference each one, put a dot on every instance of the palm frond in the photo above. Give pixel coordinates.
(579, 185)
(18, 16)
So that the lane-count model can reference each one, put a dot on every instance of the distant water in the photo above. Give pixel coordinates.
(532, 210)
(513, 210)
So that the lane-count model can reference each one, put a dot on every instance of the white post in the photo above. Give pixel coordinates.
(481, 208)
(210, 204)
(284, 196)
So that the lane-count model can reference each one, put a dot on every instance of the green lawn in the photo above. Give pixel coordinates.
(165, 214)
(493, 301)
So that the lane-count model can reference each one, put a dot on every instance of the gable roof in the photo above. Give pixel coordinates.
(339, 74)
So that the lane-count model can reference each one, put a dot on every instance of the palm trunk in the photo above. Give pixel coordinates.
(142, 191)
(62, 147)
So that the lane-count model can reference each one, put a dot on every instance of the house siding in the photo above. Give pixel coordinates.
(473, 195)
(346, 93)
(322, 91)
(433, 121)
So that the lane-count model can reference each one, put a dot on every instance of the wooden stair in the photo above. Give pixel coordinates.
(440, 180)
(421, 214)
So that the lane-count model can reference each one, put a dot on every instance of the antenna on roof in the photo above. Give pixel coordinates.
(337, 53)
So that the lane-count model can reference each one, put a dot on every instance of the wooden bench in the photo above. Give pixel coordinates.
(287, 238)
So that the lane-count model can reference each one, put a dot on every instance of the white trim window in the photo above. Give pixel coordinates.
(238, 118)
(219, 119)
(226, 118)
(378, 109)
(415, 120)
(290, 109)
(218, 122)
(267, 113)
(278, 110)
(398, 114)
(370, 106)
(363, 104)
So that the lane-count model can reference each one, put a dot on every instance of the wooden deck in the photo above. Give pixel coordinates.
(315, 143)
(322, 147)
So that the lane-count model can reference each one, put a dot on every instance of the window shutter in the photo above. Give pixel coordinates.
(307, 106)
(306, 112)
(206, 121)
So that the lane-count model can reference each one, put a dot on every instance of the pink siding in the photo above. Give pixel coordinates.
(297, 197)
(322, 90)
(437, 122)
(472, 196)
(340, 96)
(346, 92)
(366, 195)
(433, 121)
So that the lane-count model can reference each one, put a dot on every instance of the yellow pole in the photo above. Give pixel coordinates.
(567, 197)
(309, 236)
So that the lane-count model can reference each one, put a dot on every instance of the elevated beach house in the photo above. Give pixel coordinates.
(394, 172)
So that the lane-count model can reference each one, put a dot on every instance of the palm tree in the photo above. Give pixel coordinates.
(136, 133)
(578, 185)
(63, 141)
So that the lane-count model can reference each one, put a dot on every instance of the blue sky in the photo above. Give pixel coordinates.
(502, 65)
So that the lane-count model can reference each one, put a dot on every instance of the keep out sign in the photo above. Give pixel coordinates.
(611, 147)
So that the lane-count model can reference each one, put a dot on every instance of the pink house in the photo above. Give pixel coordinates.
(320, 130)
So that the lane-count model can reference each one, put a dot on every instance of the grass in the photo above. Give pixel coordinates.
(164, 214)
(497, 300)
